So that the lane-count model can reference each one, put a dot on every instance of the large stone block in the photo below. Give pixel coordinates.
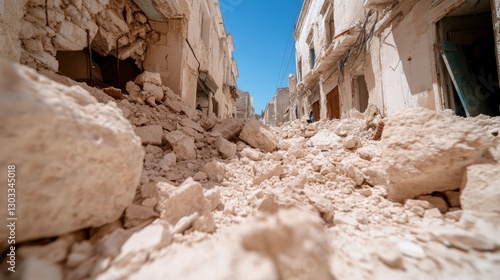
(183, 145)
(427, 151)
(184, 201)
(150, 134)
(78, 162)
(258, 136)
(481, 188)
(229, 128)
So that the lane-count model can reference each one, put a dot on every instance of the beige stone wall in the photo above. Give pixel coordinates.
(63, 25)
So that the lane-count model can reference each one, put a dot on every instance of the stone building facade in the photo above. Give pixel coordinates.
(183, 40)
(437, 54)
(276, 109)
(244, 105)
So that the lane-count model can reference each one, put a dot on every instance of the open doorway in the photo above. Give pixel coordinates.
(360, 93)
(202, 98)
(468, 62)
(96, 70)
(333, 104)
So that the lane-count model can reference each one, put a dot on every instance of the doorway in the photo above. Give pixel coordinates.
(468, 61)
(333, 104)
(360, 93)
(202, 97)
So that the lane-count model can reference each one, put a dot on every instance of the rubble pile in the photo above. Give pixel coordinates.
(234, 199)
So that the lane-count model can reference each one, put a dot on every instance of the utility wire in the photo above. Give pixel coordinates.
(288, 53)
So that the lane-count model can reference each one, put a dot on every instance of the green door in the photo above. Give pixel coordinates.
(465, 83)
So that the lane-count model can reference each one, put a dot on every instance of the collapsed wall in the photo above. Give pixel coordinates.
(42, 28)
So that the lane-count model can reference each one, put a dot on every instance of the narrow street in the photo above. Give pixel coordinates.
(159, 175)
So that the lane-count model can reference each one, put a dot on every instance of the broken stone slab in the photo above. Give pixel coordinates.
(154, 236)
(215, 170)
(185, 223)
(148, 77)
(226, 148)
(154, 90)
(191, 124)
(428, 151)
(229, 128)
(326, 139)
(275, 170)
(205, 223)
(168, 161)
(190, 113)
(184, 201)
(252, 154)
(259, 136)
(436, 201)
(150, 134)
(411, 249)
(55, 251)
(351, 142)
(183, 145)
(463, 240)
(137, 214)
(480, 188)
(34, 268)
(289, 242)
(83, 147)
(213, 197)
(79, 253)
(321, 204)
(200, 176)
(207, 122)
(173, 105)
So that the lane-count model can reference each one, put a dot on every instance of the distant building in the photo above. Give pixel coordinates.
(275, 111)
(436, 54)
(244, 105)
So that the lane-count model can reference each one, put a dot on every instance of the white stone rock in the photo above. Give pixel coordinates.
(200, 176)
(183, 145)
(137, 214)
(276, 170)
(215, 170)
(229, 128)
(325, 139)
(153, 236)
(54, 252)
(289, 241)
(427, 151)
(411, 249)
(184, 201)
(168, 161)
(148, 77)
(70, 37)
(33, 268)
(79, 253)
(213, 197)
(191, 124)
(205, 223)
(259, 136)
(226, 148)
(350, 142)
(480, 188)
(150, 134)
(82, 147)
(252, 154)
(154, 90)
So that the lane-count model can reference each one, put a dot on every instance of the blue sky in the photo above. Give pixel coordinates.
(264, 47)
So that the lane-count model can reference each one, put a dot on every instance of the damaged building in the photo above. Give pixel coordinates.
(244, 105)
(435, 54)
(107, 43)
(274, 113)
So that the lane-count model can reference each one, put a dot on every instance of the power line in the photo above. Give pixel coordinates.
(283, 69)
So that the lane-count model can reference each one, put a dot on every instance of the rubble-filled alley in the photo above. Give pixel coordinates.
(128, 151)
(193, 197)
